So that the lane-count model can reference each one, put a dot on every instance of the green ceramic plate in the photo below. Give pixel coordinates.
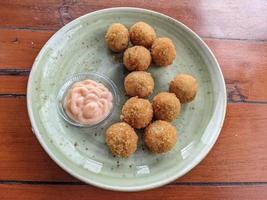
(80, 47)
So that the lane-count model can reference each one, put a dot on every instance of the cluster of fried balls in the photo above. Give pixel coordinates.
(160, 135)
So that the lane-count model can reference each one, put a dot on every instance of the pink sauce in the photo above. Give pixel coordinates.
(88, 102)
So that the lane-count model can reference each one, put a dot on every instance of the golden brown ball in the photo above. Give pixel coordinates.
(117, 37)
(160, 136)
(166, 106)
(184, 87)
(142, 34)
(121, 139)
(136, 58)
(137, 112)
(139, 84)
(163, 51)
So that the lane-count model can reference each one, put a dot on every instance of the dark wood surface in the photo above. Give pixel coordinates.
(236, 168)
(170, 192)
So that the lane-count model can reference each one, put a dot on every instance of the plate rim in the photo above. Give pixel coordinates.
(200, 156)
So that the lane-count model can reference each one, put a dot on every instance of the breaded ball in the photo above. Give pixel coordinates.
(121, 139)
(184, 87)
(160, 136)
(117, 37)
(139, 84)
(137, 112)
(163, 51)
(166, 106)
(136, 58)
(142, 34)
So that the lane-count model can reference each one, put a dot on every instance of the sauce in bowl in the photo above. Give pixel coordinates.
(88, 102)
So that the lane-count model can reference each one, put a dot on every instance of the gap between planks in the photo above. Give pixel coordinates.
(14, 72)
(19, 182)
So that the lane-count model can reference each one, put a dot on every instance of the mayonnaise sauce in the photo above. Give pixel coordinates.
(88, 102)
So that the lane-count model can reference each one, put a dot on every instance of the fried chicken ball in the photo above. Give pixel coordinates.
(121, 139)
(137, 112)
(163, 51)
(160, 136)
(139, 84)
(184, 87)
(166, 106)
(117, 37)
(136, 58)
(142, 34)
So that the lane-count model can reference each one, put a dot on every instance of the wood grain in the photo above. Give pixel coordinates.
(240, 19)
(13, 84)
(238, 153)
(36, 192)
(21, 155)
(18, 49)
(237, 156)
(30, 14)
(244, 66)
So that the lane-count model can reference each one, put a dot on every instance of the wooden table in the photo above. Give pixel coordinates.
(236, 168)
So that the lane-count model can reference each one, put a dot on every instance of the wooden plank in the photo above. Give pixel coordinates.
(243, 62)
(241, 19)
(30, 14)
(244, 65)
(13, 84)
(20, 151)
(36, 192)
(240, 150)
(18, 49)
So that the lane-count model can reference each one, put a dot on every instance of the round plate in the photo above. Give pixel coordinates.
(80, 47)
